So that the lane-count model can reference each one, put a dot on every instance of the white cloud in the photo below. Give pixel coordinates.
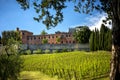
(96, 21)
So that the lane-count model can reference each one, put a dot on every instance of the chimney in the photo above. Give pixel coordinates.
(17, 29)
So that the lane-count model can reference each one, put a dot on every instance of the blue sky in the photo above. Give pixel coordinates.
(12, 16)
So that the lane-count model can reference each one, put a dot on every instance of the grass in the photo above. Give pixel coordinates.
(70, 66)
(35, 75)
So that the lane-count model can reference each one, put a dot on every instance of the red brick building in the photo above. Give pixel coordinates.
(29, 38)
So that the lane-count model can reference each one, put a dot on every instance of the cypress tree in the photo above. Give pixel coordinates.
(108, 40)
(95, 48)
(92, 41)
(102, 36)
(0, 40)
(97, 39)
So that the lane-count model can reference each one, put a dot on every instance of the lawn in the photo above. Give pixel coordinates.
(69, 65)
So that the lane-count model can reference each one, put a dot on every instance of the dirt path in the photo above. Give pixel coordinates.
(35, 75)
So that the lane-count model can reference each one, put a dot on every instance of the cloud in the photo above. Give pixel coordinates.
(96, 21)
(93, 21)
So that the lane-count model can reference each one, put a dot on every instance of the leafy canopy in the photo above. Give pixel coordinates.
(43, 32)
(50, 11)
(10, 61)
(82, 34)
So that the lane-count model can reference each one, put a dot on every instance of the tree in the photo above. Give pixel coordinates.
(10, 61)
(83, 35)
(103, 31)
(43, 32)
(0, 40)
(44, 41)
(58, 40)
(96, 40)
(91, 42)
(111, 7)
(109, 40)
(7, 35)
(101, 40)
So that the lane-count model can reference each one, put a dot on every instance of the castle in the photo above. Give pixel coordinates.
(65, 37)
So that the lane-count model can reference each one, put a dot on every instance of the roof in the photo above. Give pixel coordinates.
(26, 31)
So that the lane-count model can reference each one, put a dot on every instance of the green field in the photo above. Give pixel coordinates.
(70, 65)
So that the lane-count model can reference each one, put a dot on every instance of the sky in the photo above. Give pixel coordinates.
(12, 16)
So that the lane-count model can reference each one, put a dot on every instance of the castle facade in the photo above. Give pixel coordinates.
(64, 37)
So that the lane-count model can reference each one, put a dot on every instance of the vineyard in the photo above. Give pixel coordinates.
(69, 66)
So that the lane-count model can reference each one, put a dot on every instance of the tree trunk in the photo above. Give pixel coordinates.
(115, 61)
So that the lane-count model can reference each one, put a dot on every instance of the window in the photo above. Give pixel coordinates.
(66, 41)
(69, 41)
(52, 36)
(39, 37)
(66, 35)
(27, 38)
(48, 36)
(73, 41)
(34, 37)
(56, 36)
(23, 33)
(62, 42)
(69, 36)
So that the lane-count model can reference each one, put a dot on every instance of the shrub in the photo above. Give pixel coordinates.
(38, 51)
(27, 52)
(56, 51)
(47, 51)
(64, 50)
(10, 65)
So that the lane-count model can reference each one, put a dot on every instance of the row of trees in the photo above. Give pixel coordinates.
(101, 40)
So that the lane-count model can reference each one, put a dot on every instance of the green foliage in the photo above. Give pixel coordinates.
(44, 41)
(10, 35)
(0, 40)
(92, 41)
(96, 40)
(101, 40)
(47, 51)
(56, 51)
(38, 51)
(10, 65)
(58, 39)
(10, 62)
(73, 65)
(50, 11)
(103, 37)
(108, 43)
(83, 35)
(64, 50)
(43, 32)
(27, 52)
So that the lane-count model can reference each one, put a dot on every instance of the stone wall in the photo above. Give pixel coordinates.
(56, 47)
